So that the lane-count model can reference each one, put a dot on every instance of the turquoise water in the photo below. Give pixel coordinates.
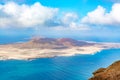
(79, 67)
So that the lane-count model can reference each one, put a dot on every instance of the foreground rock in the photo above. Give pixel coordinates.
(110, 73)
(49, 47)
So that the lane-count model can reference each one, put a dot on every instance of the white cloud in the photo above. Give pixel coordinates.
(73, 27)
(36, 16)
(69, 17)
(70, 21)
(100, 17)
(12, 14)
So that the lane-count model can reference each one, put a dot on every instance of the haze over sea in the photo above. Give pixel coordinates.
(78, 67)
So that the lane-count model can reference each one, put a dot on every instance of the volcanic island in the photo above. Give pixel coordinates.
(51, 47)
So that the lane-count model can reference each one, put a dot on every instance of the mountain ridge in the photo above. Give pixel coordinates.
(51, 43)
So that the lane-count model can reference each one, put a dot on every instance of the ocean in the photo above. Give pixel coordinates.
(78, 67)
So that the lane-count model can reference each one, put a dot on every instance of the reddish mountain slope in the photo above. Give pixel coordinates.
(110, 73)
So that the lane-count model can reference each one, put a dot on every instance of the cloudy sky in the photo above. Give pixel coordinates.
(99, 19)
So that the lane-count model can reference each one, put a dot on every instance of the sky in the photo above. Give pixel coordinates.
(82, 19)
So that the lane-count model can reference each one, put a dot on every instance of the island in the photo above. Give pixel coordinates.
(38, 47)
(110, 73)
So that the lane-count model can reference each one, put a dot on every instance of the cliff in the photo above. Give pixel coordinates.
(110, 73)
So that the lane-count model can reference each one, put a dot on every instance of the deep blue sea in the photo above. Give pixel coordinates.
(79, 67)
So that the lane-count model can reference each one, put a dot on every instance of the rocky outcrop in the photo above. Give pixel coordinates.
(110, 73)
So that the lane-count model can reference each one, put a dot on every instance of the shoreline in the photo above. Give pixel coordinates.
(30, 59)
(29, 54)
(48, 47)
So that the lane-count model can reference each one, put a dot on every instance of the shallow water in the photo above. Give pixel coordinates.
(79, 67)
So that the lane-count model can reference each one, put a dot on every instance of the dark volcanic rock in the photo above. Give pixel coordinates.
(110, 73)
